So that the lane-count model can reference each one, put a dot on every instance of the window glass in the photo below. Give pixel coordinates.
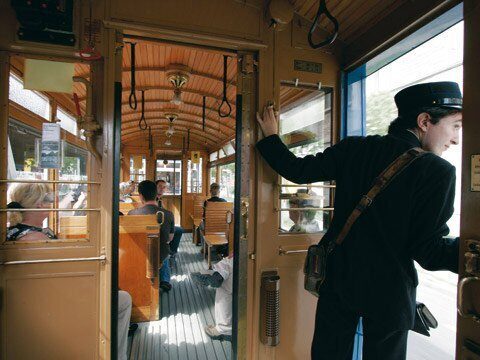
(194, 177)
(171, 172)
(221, 153)
(229, 149)
(213, 174)
(439, 59)
(305, 128)
(227, 181)
(67, 121)
(30, 100)
(137, 173)
(23, 152)
(213, 156)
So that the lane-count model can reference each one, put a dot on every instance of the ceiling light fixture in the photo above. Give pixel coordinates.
(171, 117)
(178, 75)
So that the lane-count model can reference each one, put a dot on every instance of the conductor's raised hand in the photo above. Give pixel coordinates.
(269, 121)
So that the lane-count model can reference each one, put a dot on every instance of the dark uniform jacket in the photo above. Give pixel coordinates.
(373, 270)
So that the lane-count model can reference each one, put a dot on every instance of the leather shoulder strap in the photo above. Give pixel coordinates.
(381, 182)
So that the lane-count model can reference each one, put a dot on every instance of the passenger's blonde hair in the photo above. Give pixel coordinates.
(28, 196)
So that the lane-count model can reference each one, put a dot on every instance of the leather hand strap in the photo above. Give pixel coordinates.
(381, 183)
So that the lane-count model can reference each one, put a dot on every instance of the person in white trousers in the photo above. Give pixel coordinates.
(222, 280)
(124, 311)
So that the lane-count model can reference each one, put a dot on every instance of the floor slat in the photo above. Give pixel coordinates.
(185, 311)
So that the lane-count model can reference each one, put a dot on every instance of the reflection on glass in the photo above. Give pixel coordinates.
(227, 181)
(29, 225)
(213, 174)
(171, 172)
(23, 152)
(194, 177)
(305, 127)
(137, 170)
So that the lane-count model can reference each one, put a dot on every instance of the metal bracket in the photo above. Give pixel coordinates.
(472, 257)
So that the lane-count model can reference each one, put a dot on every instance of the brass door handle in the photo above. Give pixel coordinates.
(462, 311)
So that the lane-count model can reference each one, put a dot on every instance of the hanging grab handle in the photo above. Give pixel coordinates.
(203, 112)
(132, 99)
(142, 124)
(322, 9)
(225, 100)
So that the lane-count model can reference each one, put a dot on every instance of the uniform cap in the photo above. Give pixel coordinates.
(445, 94)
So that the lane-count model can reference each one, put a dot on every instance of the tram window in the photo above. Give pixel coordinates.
(30, 100)
(23, 152)
(171, 172)
(213, 156)
(67, 121)
(138, 166)
(305, 127)
(229, 148)
(439, 59)
(194, 177)
(213, 174)
(227, 181)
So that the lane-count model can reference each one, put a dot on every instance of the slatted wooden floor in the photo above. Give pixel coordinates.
(185, 311)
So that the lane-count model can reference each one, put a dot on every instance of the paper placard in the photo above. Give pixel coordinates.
(50, 148)
(44, 75)
(138, 162)
(195, 157)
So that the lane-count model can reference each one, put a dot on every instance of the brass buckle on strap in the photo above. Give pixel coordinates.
(364, 203)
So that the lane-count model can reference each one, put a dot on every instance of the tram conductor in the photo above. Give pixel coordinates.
(372, 273)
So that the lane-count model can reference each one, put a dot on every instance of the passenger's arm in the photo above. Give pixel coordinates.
(434, 206)
(311, 168)
(321, 167)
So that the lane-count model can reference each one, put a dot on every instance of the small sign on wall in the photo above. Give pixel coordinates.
(475, 173)
(50, 147)
(195, 157)
(138, 162)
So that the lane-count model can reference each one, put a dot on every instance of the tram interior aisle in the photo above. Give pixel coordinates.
(184, 312)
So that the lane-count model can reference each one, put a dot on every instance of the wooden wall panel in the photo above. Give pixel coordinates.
(50, 311)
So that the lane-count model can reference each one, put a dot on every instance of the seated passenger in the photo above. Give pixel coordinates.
(177, 236)
(28, 225)
(222, 280)
(148, 195)
(126, 190)
(124, 312)
(214, 192)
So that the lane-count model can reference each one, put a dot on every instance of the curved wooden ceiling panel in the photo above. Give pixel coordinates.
(205, 67)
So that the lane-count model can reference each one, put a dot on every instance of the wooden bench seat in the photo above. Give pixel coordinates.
(217, 226)
(72, 227)
(197, 216)
(139, 264)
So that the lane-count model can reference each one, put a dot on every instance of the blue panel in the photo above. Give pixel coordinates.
(354, 101)
(358, 344)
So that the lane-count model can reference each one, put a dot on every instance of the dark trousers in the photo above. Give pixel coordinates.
(335, 326)
(175, 243)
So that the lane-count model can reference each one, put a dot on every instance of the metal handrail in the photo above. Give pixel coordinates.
(32, 181)
(282, 251)
(44, 261)
(309, 186)
(305, 208)
(46, 209)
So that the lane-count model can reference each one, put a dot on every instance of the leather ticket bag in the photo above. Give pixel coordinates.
(316, 261)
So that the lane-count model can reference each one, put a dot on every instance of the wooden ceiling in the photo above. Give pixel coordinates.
(152, 60)
(355, 16)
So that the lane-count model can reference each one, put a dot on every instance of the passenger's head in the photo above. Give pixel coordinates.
(126, 188)
(147, 190)
(214, 189)
(161, 187)
(26, 196)
(433, 111)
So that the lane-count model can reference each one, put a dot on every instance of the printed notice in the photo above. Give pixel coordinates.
(50, 155)
(475, 173)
